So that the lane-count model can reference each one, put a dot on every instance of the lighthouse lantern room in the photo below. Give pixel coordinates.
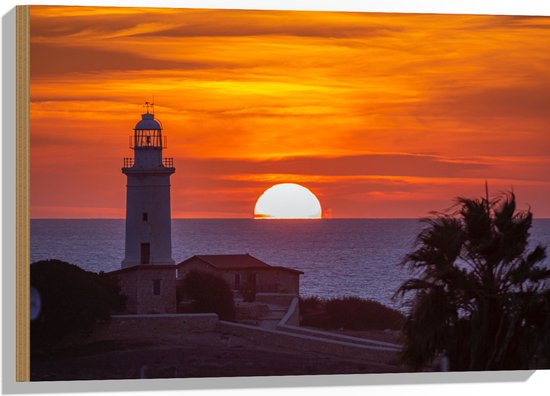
(148, 220)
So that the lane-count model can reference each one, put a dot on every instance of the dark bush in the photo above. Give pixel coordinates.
(350, 313)
(248, 292)
(356, 314)
(73, 300)
(312, 312)
(208, 293)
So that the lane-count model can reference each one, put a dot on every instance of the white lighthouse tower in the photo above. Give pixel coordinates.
(148, 219)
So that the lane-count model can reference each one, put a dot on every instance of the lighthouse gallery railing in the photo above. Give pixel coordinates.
(166, 162)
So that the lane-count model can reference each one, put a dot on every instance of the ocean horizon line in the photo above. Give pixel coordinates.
(239, 218)
(252, 218)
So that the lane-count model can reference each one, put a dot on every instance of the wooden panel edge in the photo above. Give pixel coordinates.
(22, 371)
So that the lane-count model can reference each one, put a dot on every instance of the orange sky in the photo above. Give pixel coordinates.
(380, 115)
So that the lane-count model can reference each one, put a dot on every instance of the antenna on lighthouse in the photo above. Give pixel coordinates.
(149, 105)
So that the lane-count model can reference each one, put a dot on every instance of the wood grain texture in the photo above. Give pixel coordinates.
(22, 371)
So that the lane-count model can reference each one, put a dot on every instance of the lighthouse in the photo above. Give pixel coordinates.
(148, 237)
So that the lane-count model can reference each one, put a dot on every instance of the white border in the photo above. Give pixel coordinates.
(504, 7)
(512, 383)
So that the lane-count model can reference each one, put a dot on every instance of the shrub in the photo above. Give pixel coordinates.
(352, 313)
(208, 293)
(357, 314)
(248, 292)
(73, 300)
(312, 312)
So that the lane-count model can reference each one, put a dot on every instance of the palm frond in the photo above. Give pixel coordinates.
(478, 293)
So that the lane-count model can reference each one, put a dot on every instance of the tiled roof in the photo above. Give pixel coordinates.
(235, 261)
(231, 261)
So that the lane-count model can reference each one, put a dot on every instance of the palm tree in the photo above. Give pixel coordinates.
(479, 295)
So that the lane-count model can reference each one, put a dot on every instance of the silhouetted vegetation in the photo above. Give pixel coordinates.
(248, 292)
(73, 300)
(349, 313)
(207, 293)
(479, 297)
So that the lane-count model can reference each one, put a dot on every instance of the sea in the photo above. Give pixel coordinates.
(339, 257)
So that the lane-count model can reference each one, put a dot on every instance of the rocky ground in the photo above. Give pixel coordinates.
(198, 355)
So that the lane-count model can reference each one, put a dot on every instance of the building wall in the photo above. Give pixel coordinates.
(267, 280)
(138, 285)
(148, 302)
(279, 281)
(148, 193)
(128, 282)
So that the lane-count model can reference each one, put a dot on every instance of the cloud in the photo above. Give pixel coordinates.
(357, 165)
(228, 23)
(47, 59)
(514, 101)
(155, 22)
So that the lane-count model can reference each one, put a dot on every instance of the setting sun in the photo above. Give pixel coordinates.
(287, 201)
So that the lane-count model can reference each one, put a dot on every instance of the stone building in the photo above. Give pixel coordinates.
(245, 271)
(150, 288)
(148, 274)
